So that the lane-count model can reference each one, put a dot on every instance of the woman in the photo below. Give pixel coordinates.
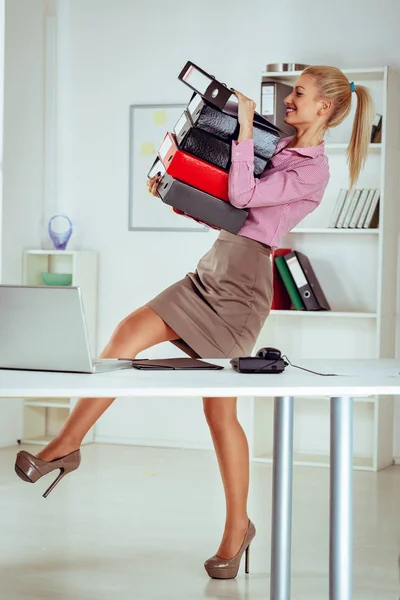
(218, 310)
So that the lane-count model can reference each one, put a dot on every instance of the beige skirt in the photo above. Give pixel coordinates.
(218, 310)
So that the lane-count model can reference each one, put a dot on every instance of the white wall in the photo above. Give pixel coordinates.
(2, 9)
(113, 53)
(23, 132)
(10, 410)
(23, 141)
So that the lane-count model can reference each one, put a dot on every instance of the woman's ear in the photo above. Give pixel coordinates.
(325, 108)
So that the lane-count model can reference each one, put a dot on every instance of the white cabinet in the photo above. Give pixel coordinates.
(43, 418)
(358, 272)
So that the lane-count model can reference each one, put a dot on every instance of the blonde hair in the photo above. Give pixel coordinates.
(333, 85)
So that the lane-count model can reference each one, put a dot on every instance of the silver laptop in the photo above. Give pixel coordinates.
(44, 329)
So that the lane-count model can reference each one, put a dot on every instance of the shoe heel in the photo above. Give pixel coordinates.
(247, 559)
(53, 485)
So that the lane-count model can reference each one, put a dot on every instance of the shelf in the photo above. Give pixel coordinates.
(324, 314)
(330, 230)
(56, 252)
(362, 463)
(371, 74)
(47, 403)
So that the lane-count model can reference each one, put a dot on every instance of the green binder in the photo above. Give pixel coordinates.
(290, 285)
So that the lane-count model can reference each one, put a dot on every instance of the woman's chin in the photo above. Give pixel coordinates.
(289, 120)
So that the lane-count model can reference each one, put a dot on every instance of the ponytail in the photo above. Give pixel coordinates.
(333, 85)
(357, 150)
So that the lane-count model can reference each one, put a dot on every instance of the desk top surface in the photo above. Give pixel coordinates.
(356, 378)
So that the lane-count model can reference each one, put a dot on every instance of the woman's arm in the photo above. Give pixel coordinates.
(245, 191)
(281, 187)
(246, 108)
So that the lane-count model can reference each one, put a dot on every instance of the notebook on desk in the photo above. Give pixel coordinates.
(173, 364)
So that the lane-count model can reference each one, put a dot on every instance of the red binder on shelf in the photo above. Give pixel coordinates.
(281, 299)
(192, 170)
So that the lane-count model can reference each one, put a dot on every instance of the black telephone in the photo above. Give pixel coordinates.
(267, 360)
(269, 353)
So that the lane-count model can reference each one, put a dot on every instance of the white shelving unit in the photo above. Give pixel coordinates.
(357, 269)
(43, 418)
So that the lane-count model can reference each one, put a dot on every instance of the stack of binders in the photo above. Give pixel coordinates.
(195, 159)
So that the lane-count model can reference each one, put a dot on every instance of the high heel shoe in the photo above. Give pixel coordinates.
(227, 568)
(30, 468)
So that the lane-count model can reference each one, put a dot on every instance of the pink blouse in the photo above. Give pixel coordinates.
(291, 188)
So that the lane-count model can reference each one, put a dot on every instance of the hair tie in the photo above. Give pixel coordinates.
(352, 86)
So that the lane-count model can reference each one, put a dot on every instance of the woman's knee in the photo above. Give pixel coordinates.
(219, 411)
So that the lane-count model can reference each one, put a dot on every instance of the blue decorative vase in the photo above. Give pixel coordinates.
(61, 236)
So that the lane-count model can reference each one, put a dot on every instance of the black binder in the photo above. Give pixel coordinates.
(226, 127)
(202, 144)
(201, 205)
(219, 95)
(206, 85)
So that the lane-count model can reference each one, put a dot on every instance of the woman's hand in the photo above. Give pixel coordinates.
(152, 184)
(246, 108)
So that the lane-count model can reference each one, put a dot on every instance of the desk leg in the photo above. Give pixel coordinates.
(282, 499)
(341, 500)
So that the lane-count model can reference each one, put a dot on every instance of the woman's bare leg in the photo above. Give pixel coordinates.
(140, 330)
(232, 452)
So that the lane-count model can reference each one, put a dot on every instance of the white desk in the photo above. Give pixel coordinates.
(358, 378)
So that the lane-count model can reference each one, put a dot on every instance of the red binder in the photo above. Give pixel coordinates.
(158, 167)
(281, 299)
(192, 170)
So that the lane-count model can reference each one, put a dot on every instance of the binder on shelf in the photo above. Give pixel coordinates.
(338, 207)
(273, 94)
(281, 299)
(290, 285)
(306, 281)
(192, 170)
(376, 131)
(372, 218)
(207, 147)
(353, 203)
(345, 209)
(200, 205)
(367, 204)
(358, 208)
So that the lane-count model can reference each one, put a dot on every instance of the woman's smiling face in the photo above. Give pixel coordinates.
(303, 104)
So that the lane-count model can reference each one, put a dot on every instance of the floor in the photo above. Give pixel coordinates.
(138, 523)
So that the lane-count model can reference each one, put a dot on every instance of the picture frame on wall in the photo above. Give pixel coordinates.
(148, 124)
